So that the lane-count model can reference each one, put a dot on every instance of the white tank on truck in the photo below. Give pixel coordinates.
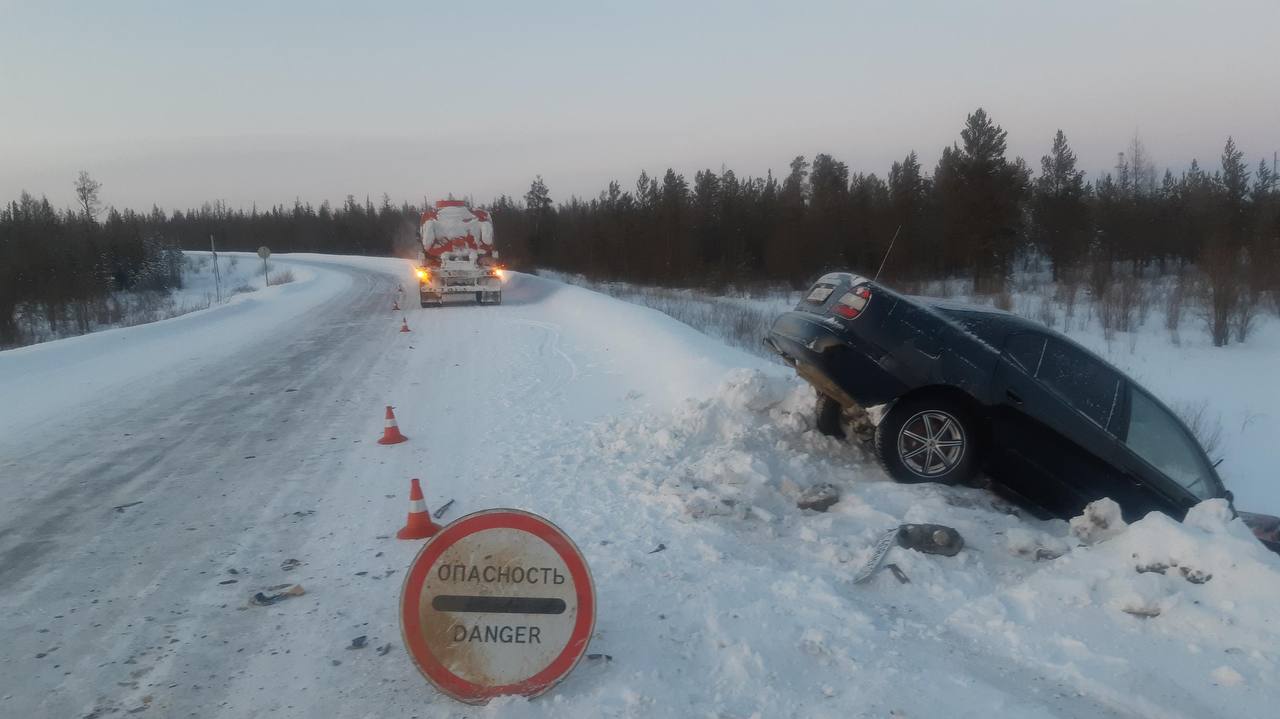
(458, 257)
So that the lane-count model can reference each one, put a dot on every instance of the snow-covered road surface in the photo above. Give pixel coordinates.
(234, 440)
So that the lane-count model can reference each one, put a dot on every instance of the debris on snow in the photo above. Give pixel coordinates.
(1037, 546)
(442, 509)
(262, 599)
(290, 564)
(898, 573)
(1101, 521)
(819, 497)
(1226, 676)
(883, 545)
(930, 539)
(359, 642)
(383, 650)
(657, 549)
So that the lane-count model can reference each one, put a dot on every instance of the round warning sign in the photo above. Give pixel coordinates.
(499, 602)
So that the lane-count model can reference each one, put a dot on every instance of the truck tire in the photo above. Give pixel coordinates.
(928, 439)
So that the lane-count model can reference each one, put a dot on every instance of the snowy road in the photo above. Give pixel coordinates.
(154, 478)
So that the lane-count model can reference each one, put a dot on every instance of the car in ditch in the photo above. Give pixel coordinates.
(965, 389)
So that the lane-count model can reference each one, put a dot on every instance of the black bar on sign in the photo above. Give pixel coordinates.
(497, 605)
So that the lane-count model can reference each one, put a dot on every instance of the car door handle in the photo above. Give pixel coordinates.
(1013, 397)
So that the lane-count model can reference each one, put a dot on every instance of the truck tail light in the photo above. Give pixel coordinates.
(853, 302)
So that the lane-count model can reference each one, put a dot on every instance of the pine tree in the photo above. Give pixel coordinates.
(1059, 211)
(981, 194)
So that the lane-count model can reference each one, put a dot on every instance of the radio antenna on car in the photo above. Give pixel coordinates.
(886, 253)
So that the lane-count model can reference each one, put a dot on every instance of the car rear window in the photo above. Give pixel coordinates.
(1157, 437)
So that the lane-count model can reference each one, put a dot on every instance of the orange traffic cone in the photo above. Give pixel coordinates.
(404, 325)
(391, 434)
(419, 524)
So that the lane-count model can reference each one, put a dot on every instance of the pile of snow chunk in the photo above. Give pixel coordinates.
(1185, 607)
(750, 450)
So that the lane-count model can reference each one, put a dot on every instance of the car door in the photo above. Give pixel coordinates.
(1170, 470)
(1050, 424)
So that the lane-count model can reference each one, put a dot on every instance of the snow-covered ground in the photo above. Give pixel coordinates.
(154, 478)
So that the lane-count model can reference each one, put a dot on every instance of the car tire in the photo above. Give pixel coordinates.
(928, 439)
(827, 417)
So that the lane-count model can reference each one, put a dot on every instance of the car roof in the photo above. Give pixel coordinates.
(1001, 323)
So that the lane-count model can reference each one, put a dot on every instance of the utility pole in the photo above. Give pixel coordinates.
(217, 276)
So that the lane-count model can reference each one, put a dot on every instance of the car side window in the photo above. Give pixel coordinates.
(1086, 383)
(1158, 438)
(1026, 350)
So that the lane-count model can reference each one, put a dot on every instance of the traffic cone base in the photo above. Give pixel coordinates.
(419, 524)
(391, 432)
(404, 325)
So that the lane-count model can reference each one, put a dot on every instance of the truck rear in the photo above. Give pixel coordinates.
(458, 255)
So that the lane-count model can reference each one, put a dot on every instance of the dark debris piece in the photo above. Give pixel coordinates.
(657, 549)
(359, 642)
(819, 497)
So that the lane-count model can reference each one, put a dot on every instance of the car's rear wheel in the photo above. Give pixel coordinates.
(928, 439)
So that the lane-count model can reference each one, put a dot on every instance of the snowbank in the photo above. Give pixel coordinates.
(1157, 618)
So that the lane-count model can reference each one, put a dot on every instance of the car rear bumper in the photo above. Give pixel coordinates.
(837, 364)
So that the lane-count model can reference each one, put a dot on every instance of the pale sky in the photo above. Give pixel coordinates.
(177, 103)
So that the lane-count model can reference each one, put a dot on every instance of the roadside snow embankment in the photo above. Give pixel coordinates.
(1156, 618)
(45, 380)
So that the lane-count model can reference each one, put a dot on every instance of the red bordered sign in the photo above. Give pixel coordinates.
(499, 602)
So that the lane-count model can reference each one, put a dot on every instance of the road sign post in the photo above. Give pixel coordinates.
(498, 603)
(264, 252)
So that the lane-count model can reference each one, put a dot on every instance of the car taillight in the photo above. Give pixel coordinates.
(852, 303)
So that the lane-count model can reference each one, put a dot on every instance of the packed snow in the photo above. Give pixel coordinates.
(243, 436)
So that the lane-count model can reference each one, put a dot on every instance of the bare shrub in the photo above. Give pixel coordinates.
(1120, 308)
(1207, 428)
(1003, 300)
(1046, 313)
(1131, 297)
(283, 277)
(1101, 275)
(1174, 302)
(1245, 313)
(1223, 271)
(1067, 291)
